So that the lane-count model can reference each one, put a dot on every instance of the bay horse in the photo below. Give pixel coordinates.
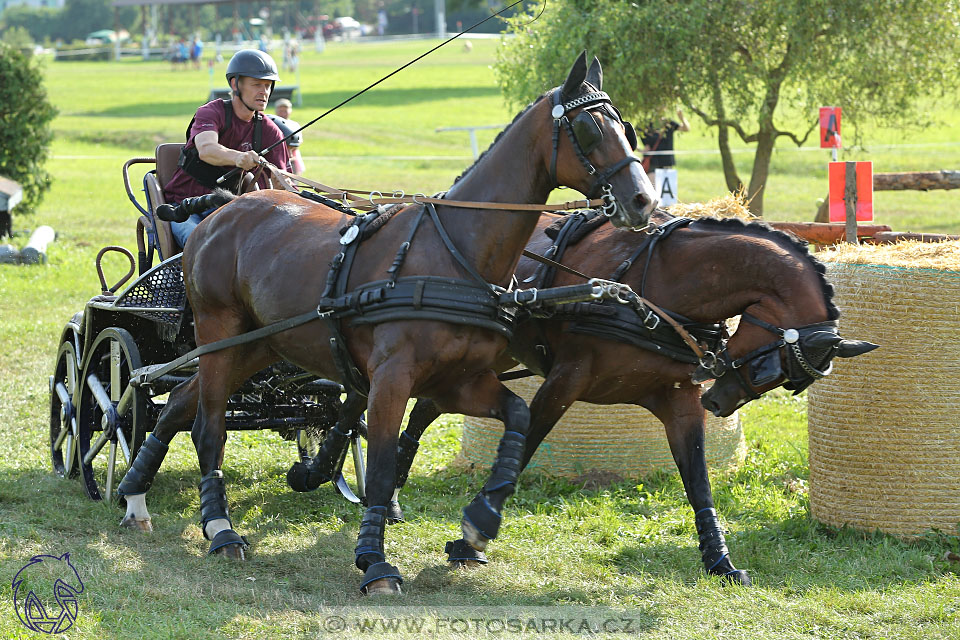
(704, 272)
(267, 256)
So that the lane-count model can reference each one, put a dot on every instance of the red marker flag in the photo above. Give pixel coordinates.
(830, 128)
(837, 175)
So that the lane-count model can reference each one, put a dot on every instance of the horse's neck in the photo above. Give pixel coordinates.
(513, 171)
(709, 276)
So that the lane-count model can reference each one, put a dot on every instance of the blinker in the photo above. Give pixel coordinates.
(631, 134)
(587, 132)
(766, 369)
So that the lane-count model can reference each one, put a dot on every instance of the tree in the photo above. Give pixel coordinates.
(749, 68)
(25, 135)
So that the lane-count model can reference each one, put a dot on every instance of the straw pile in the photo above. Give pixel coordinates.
(622, 439)
(731, 205)
(884, 428)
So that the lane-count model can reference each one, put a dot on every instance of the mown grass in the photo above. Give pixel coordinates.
(629, 548)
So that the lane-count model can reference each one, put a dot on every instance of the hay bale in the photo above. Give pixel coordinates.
(883, 427)
(622, 439)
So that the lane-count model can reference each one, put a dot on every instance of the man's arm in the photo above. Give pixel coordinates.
(212, 152)
(684, 125)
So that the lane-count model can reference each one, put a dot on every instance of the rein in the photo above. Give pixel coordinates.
(375, 199)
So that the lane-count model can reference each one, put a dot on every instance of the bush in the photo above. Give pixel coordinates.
(25, 134)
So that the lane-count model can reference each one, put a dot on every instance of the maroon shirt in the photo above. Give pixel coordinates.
(239, 136)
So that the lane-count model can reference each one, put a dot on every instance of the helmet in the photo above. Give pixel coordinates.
(253, 64)
(286, 128)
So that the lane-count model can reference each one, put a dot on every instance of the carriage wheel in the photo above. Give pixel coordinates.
(111, 414)
(63, 418)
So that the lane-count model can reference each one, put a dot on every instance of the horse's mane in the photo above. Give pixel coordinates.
(763, 230)
(497, 139)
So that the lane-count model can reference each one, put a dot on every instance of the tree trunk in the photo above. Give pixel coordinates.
(761, 168)
(723, 141)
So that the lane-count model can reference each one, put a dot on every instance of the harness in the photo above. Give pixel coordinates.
(764, 363)
(634, 324)
(585, 136)
(208, 174)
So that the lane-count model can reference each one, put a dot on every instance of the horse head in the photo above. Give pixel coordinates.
(787, 339)
(592, 147)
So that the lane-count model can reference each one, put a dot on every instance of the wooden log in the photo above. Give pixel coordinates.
(9, 254)
(889, 237)
(36, 249)
(916, 180)
(824, 233)
(850, 199)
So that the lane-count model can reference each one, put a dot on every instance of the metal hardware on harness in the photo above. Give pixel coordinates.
(350, 235)
(609, 201)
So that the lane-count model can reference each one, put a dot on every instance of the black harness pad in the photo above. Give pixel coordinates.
(594, 220)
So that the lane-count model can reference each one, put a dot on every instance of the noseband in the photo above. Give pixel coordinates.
(578, 131)
(764, 362)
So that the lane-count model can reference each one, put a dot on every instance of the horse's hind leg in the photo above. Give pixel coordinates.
(179, 411)
(424, 412)
(482, 517)
(682, 416)
(307, 476)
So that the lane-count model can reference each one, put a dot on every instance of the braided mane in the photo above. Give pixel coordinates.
(786, 240)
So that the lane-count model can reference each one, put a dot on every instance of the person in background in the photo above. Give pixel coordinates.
(659, 139)
(283, 109)
(196, 52)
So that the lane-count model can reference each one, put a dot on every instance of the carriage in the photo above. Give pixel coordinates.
(100, 412)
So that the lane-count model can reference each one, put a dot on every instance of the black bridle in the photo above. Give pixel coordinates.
(764, 363)
(585, 136)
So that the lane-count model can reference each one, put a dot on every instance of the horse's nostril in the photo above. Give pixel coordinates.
(642, 201)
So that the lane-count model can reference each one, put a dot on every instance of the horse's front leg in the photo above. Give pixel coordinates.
(386, 404)
(682, 416)
(307, 476)
(179, 411)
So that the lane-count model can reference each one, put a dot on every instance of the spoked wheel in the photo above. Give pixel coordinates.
(110, 413)
(63, 415)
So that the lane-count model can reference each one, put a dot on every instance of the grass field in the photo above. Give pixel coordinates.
(627, 552)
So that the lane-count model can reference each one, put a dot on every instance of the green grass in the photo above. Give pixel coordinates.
(629, 549)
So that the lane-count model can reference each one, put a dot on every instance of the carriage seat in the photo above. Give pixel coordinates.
(168, 155)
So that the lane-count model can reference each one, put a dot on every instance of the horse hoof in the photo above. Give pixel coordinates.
(299, 478)
(137, 524)
(473, 537)
(394, 513)
(383, 587)
(739, 577)
(232, 552)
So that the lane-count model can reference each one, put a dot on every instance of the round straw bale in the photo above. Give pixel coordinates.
(623, 439)
(883, 427)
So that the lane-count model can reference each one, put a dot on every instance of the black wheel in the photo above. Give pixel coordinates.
(111, 414)
(63, 417)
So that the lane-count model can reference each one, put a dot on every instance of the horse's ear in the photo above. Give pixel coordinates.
(595, 74)
(575, 78)
(851, 348)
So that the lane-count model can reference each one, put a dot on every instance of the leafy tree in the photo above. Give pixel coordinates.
(750, 68)
(25, 135)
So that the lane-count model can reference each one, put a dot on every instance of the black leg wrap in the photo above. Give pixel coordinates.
(713, 548)
(406, 451)
(379, 571)
(307, 476)
(461, 551)
(144, 468)
(484, 518)
(506, 468)
(213, 499)
(369, 549)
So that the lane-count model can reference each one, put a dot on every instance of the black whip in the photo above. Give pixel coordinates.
(233, 172)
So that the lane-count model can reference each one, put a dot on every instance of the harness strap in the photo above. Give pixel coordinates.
(453, 249)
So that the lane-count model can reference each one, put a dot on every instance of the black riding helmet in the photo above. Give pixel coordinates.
(253, 64)
(287, 128)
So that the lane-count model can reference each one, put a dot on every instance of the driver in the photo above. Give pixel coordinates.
(223, 135)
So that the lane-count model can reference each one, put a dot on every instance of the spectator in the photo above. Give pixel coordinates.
(196, 52)
(659, 139)
(283, 109)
